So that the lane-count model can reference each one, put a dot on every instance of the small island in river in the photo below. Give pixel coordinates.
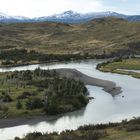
(28, 93)
(35, 94)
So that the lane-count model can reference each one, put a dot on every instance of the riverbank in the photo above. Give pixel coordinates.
(22, 57)
(126, 66)
(13, 122)
(107, 86)
(126, 130)
(103, 109)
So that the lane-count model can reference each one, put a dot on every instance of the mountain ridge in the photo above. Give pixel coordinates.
(68, 17)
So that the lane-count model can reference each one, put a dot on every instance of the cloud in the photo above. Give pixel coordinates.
(36, 8)
(47, 7)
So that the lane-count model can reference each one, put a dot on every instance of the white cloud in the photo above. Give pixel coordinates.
(34, 8)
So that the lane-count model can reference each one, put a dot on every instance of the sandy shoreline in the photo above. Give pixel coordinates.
(107, 86)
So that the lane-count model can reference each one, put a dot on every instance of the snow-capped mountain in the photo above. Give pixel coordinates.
(67, 14)
(67, 17)
(74, 17)
(6, 18)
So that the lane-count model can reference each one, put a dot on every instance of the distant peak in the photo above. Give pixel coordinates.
(109, 12)
(69, 12)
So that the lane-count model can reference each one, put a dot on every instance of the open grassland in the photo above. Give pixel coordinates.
(121, 65)
(100, 36)
(113, 131)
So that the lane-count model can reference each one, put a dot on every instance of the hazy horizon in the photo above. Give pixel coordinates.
(61, 13)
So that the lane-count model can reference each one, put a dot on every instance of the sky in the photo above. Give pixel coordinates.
(37, 8)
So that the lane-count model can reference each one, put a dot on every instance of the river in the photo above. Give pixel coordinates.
(103, 109)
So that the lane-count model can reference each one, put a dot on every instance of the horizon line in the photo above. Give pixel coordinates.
(67, 11)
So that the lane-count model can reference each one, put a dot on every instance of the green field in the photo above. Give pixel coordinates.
(117, 66)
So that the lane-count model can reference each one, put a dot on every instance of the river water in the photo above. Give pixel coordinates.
(103, 109)
(136, 71)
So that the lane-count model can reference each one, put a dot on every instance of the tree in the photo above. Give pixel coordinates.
(34, 103)
(6, 97)
(19, 105)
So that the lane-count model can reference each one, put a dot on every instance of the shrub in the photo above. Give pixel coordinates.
(6, 97)
(51, 107)
(25, 95)
(17, 138)
(34, 103)
(133, 127)
(19, 105)
(32, 136)
(91, 135)
(82, 99)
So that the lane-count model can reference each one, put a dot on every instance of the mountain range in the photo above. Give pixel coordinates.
(68, 17)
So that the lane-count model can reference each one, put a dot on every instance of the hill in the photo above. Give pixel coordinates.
(105, 36)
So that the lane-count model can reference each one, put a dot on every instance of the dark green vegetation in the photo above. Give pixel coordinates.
(126, 130)
(121, 65)
(39, 92)
(17, 57)
(99, 38)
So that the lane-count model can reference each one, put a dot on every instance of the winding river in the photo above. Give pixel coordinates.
(103, 109)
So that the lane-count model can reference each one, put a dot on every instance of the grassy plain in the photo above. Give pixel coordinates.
(119, 65)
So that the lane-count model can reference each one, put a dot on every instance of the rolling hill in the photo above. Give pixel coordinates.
(109, 36)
